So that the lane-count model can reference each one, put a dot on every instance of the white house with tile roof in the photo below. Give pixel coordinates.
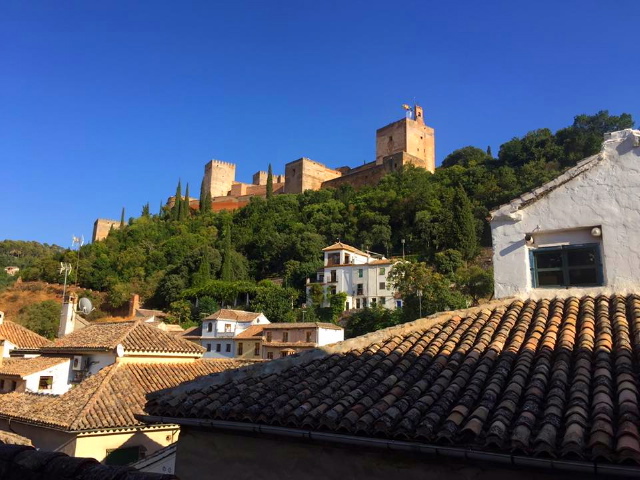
(220, 328)
(360, 275)
(14, 336)
(579, 231)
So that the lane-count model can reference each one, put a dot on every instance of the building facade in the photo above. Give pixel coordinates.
(219, 330)
(360, 275)
(578, 231)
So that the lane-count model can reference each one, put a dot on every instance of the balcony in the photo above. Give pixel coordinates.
(225, 334)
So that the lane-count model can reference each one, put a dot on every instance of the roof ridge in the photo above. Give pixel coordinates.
(135, 323)
(281, 364)
(94, 396)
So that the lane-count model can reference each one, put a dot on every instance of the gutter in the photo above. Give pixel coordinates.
(462, 454)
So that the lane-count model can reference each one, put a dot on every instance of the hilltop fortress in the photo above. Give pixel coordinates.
(404, 142)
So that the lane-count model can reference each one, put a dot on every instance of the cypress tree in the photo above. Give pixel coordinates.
(186, 210)
(145, 210)
(463, 235)
(489, 151)
(226, 272)
(201, 200)
(177, 204)
(207, 201)
(122, 218)
(269, 183)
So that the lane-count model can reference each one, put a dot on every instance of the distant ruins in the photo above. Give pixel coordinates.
(404, 142)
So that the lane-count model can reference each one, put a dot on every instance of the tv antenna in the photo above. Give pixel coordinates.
(79, 241)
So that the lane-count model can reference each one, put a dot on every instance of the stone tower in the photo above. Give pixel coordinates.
(408, 136)
(219, 177)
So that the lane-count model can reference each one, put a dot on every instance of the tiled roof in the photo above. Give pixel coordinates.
(254, 331)
(555, 378)
(10, 438)
(109, 399)
(237, 315)
(20, 462)
(134, 336)
(290, 344)
(294, 325)
(193, 332)
(381, 261)
(21, 336)
(146, 312)
(344, 246)
(26, 366)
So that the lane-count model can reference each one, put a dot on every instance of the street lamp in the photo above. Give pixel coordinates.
(402, 249)
(419, 294)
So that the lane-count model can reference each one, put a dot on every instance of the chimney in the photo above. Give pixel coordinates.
(1, 317)
(67, 315)
(134, 304)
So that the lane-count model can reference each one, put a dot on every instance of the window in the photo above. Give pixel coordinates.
(333, 259)
(218, 347)
(285, 336)
(308, 336)
(228, 347)
(567, 266)
(357, 303)
(382, 286)
(333, 290)
(347, 305)
(359, 289)
(398, 303)
(381, 271)
(210, 327)
(347, 258)
(45, 383)
(2, 384)
(123, 456)
(256, 349)
(373, 302)
(240, 348)
(227, 327)
(14, 385)
(333, 276)
(364, 303)
(269, 355)
(382, 300)
(360, 273)
(269, 336)
(208, 347)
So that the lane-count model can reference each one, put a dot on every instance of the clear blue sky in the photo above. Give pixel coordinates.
(108, 104)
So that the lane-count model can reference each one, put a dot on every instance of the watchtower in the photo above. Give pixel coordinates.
(219, 177)
(410, 136)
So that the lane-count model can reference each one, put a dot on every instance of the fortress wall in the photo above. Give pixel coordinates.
(102, 227)
(391, 139)
(368, 174)
(260, 178)
(219, 177)
(305, 174)
(421, 144)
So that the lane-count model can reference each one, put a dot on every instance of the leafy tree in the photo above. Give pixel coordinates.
(459, 226)
(180, 313)
(476, 282)
(205, 307)
(269, 183)
(227, 269)
(467, 157)
(274, 301)
(448, 261)
(41, 317)
(371, 319)
(145, 210)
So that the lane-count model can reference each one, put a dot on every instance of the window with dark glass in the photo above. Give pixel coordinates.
(218, 347)
(228, 347)
(269, 336)
(308, 336)
(269, 355)
(210, 327)
(567, 266)
(240, 348)
(285, 336)
(45, 383)
(333, 276)
(208, 347)
(359, 289)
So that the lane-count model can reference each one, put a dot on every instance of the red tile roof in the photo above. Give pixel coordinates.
(136, 336)
(254, 331)
(344, 246)
(237, 315)
(21, 367)
(109, 399)
(295, 325)
(20, 336)
(549, 377)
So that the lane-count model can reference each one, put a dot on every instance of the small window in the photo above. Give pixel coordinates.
(269, 336)
(269, 355)
(308, 336)
(373, 302)
(364, 303)
(208, 347)
(240, 348)
(218, 347)
(567, 266)
(210, 327)
(382, 285)
(123, 456)
(382, 300)
(381, 271)
(347, 306)
(357, 303)
(228, 347)
(360, 273)
(333, 290)
(359, 289)
(256, 349)
(46, 383)
(347, 258)
(227, 327)
(334, 277)
(14, 385)
(285, 336)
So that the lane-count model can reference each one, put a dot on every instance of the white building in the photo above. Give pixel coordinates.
(580, 230)
(362, 276)
(219, 329)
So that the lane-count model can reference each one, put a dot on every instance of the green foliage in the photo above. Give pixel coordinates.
(180, 312)
(475, 282)
(205, 307)
(274, 301)
(122, 218)
(448, 261)
(6, 280)
(467, 157)
(41, 317)
(269, 183)
(371, 319)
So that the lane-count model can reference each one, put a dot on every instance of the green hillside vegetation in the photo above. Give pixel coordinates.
(181, 260)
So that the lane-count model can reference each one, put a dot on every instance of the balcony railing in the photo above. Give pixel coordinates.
(225, 334)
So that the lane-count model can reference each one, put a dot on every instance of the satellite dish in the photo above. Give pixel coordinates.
(85, 306)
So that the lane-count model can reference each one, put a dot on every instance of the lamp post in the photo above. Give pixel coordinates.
(419, 294)
(402, 249)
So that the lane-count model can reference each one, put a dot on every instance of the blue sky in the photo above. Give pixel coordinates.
(105, 105)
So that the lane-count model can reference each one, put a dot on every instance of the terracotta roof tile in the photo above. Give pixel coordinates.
(20, 336)
(26, 366)
(109, 399)
(552, 377)
(134, 336)
(10, 438)
(344, 246)
(294, 325)
(237, 315)
(254, 331)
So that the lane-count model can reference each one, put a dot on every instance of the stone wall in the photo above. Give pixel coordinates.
(410, 136)
(305, 174)
(102, 227)
(219, 176)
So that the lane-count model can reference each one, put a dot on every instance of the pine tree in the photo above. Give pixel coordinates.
(226, 273)
(145, 210)
(176, 211)
(122, 218)
(462, 228)
(269, 183)
(489, 151)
